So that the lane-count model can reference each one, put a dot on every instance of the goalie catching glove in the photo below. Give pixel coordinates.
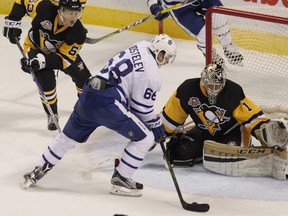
(273, 133)
(12, 29)
(36, 63)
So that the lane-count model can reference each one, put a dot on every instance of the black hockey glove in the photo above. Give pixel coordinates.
(37, 63)
(12, 29)
(156, 9)
(181, 150)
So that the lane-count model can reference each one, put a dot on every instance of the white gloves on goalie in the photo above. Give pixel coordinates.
(274, 133)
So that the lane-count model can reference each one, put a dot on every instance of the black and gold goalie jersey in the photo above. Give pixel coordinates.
(60, 44)
(232, 109)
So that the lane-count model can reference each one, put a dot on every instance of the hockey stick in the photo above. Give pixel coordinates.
(39, 87)
(187, 206)
(96, 40)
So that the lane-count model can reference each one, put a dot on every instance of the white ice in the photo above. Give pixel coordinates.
(80, 183)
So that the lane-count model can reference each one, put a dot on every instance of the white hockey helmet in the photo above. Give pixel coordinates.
(213, 79)
(164, 43)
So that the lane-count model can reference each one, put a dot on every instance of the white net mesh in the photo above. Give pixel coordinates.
(264, 45)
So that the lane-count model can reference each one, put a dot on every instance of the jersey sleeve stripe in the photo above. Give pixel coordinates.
(140, 112)
(140, 104)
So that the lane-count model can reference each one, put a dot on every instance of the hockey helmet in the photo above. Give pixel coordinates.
(70, 11)
(213, 79)
(164, 43)
(71, 4)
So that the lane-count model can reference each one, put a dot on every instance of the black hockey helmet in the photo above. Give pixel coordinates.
(70, 4)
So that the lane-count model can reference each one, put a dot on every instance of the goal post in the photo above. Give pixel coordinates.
(261, 36)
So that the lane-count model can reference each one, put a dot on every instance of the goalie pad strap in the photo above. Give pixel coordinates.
(245, 161)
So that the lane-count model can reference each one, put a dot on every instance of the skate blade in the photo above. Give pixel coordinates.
(25, 184)
(122, 191)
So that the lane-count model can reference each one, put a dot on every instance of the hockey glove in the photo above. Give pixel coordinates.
(181, 150)
(156, 9)
(273, 133)
(157, 129)
(12, 29)
(37, 63)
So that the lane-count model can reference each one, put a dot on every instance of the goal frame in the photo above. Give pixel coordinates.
(233, 12)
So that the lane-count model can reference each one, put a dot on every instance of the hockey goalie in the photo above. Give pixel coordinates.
(224, 122)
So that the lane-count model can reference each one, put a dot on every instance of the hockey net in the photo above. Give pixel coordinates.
(261, 35)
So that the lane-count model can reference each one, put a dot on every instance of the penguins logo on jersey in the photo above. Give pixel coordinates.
(46, 24)
(46, 44)
(211, 117)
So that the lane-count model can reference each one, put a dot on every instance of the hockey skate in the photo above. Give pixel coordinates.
(232, 54)
(51, 125)
(33, 177)
(216, 58)
(124, 186)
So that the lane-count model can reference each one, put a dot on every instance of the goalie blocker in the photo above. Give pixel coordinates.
(245, 161)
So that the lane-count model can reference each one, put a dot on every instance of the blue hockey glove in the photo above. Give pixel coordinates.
(37, 63)
(157, 129)
(156, 9)
(12, 29)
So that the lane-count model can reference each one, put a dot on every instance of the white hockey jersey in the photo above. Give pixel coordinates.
(136, 75)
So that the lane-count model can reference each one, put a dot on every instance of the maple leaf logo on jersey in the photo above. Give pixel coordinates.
(211, 117)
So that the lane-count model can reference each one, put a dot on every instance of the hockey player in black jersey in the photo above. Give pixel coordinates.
(53, 43)
(218, 107)
(224, 121)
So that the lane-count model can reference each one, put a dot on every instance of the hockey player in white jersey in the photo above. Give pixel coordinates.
(191, 18)
(121, 97)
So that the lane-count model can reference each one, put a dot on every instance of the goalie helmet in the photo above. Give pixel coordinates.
(164, 43)
(213, 79)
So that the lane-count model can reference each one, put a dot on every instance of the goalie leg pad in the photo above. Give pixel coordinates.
(237, 161)
(280, 164)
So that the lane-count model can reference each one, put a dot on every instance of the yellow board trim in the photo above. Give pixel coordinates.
(116, 18)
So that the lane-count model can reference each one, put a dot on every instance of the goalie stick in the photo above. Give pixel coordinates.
(187, 206)
(39, 88)
(96, 40)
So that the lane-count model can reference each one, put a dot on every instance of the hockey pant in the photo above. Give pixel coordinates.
(96, 108)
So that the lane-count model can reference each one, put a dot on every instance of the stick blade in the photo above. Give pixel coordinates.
(92, 40)
(196, 207)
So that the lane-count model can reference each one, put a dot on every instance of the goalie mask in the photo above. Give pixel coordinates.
(70, 11)
(213, 79)
(164, 43)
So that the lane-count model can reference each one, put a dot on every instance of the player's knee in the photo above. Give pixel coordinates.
(146, 143)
